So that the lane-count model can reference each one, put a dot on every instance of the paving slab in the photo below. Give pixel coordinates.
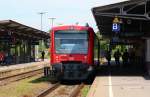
(120, 86)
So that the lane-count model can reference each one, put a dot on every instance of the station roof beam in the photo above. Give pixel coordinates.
(134, 14)
(20, 29)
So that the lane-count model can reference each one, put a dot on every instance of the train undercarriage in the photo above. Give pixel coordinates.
(71, 71)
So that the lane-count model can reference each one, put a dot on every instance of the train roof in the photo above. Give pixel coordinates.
(71, 27)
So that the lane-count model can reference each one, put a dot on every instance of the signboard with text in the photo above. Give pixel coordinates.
(116, 25)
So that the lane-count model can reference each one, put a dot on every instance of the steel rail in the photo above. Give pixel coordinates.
(77, 90)
(7, 80)
(48, 90)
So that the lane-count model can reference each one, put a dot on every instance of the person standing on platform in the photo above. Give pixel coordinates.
(2, 57)
(117, 56)
(43, 54)
(108, 57)
(125, 58)
(132, 57)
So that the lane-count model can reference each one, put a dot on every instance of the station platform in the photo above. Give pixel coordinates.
(108, 86)
(6, 71)
(112, 84)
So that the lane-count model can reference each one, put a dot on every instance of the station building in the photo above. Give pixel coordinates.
(127, 23)
(18, 42)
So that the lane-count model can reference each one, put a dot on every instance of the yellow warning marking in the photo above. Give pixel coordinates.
(116, 20)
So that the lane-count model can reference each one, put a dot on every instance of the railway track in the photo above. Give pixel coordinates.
(58, 90)
(7, 80)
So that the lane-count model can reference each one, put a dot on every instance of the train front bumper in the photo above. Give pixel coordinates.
(72, 71)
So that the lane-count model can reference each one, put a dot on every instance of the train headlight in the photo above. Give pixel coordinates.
(90, 68)
(85, 57)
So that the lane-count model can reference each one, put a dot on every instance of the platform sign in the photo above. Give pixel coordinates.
(116, 25)
(116, 20)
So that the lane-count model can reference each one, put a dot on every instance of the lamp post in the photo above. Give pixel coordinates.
(42, 13)
(42, 41)
(52, 19)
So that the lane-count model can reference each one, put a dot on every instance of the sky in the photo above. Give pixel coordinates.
(66, 12)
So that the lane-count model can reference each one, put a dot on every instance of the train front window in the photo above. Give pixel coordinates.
(71, 42)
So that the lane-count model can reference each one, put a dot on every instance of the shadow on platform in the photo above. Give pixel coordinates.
(120, 70)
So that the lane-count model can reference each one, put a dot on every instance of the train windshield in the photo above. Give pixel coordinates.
(71, 42)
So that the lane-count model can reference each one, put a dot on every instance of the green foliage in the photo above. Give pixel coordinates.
(41, 45)
(24, 87)
(104, 44)
(85, 91)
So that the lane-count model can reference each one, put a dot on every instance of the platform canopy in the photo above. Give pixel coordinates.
(133, 16)
(22, 30)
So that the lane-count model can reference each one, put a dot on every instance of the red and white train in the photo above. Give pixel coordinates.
(72, 52)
